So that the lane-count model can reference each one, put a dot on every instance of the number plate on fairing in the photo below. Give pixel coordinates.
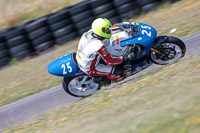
(64, 66)
(145, 36)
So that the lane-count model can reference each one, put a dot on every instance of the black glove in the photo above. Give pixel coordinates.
(129, 57)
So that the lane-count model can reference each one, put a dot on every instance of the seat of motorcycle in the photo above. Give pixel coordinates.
(74, 59)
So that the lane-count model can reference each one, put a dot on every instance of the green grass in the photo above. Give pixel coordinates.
(31, 76)
(14, 12)
(164, 100)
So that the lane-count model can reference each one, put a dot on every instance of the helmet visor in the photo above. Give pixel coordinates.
(107, 31)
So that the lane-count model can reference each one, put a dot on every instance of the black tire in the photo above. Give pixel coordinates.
(2, 37)
(66, 38)
(58, 16)
(129, 14)
(81, 31)
(64, 31)
(2, 46)
(16, 41)
(4, 61)
(4, 31)
(42, 39)
(84, 23)
(96, 3)
(102, 9)
(38, 33)
(17, 31)
(65, 84)
(146, 2)
(4, 53)
(118, 3)
(60, 24)
(150, 7)
(127, 7)
(108, 15)
(22, 47)
(171, 40)
(21, 55)
(114, 20)
(32, 26)
(44, 46)
(81, 16)
(79, 8)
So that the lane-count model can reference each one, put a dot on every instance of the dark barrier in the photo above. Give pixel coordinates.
(66, 24)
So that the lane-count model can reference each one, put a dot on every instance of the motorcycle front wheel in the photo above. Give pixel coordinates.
(80, 86)
(168, 52)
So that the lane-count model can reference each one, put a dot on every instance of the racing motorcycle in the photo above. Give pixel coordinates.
(141, 39)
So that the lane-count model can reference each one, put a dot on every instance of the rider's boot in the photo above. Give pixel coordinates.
(117, 74)
(101, 80)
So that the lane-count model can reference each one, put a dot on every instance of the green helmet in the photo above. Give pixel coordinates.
(100, 26)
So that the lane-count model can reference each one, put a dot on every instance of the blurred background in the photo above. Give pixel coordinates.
(33, 33)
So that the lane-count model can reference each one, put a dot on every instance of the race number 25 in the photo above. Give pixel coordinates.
(66, 68)
(146, 32)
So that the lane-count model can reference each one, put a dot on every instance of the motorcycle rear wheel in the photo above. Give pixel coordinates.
(80, 86)
(172, 49)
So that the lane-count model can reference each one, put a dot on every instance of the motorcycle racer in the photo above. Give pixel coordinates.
(92, 49)
(98, 59)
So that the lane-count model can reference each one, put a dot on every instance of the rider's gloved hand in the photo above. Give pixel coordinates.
(129, 57)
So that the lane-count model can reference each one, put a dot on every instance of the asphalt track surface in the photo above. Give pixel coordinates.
(33, 106)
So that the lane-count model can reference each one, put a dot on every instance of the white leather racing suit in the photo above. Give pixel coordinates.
(90, 51)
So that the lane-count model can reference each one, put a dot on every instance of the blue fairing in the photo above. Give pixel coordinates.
(64, 66)
(145, 36)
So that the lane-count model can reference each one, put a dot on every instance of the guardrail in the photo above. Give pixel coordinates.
(66, 24)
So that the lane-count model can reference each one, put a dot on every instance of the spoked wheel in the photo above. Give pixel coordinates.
(168, 52)
(80, 86)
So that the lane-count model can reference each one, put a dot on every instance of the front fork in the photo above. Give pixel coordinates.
(156, 51)
(159, 40)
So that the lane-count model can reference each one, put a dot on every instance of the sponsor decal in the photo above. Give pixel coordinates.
(143, 53)
(117, 40)
(66, 59)
(140, 38)
(105, 52)
(137, 23)
(113, 27)
(127, 66)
